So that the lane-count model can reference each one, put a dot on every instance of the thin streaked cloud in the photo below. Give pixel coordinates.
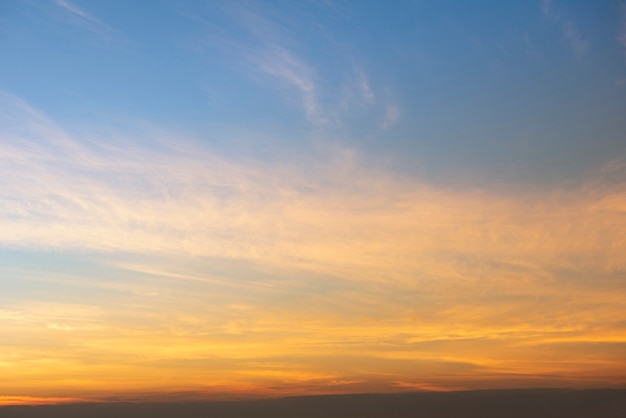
(578, 42)
(391, 116)
(282, 65)
(364, 88)
(366, 204)
(546, 7)
(274, 49)
(86, 19)
(76, 11)
(274, 55)
(580, 46)
(356, 92)
(621, 37)
(186, 200)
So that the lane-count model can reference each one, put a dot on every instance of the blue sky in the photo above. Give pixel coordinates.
(433, 189)
(507, 90)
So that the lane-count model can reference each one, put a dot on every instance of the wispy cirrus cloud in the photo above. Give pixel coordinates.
(357, 89)
(358, 95)
(580, 46)
(399, 276)
(621, 38)
(364, 87)
(326, 94)
(391, 116)
(86, 19)
(546, 7)
(578, 43)
(280, 63)
(177, 198)
(269, 47)
(76, 11)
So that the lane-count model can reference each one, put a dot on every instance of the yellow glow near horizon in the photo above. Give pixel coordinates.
(206, 278)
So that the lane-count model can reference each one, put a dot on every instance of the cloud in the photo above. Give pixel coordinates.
(328, 270)
(571, 33)
(621, 36)
(36, 400)
(359, 88)
(86, 19)
(268, 46)
(76, 11)
(179, 198)
(359, 97)
(363, 85)
(282, 64)
(577, 42)
(327, 94)
(392, 116)
(356, 92)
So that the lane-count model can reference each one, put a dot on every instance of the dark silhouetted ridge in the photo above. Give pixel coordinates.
(534, 403)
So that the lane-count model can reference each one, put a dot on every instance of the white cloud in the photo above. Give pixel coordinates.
(333, 215)
(621, 37)
(364, 87)
(580, 45)
(283, 65)
(86, 19)
(268, 46)
(571, 33)
(75, 10)
(356, 92)
(272, 47)
(392, 116)
(504, 270)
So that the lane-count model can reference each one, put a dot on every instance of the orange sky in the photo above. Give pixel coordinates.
(443, 290)
(217, 200)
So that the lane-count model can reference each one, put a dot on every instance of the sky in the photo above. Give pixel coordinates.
(244, 199)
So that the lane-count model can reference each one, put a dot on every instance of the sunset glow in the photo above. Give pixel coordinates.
(240, 200)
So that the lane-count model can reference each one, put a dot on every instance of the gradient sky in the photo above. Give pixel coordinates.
(217, 199)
